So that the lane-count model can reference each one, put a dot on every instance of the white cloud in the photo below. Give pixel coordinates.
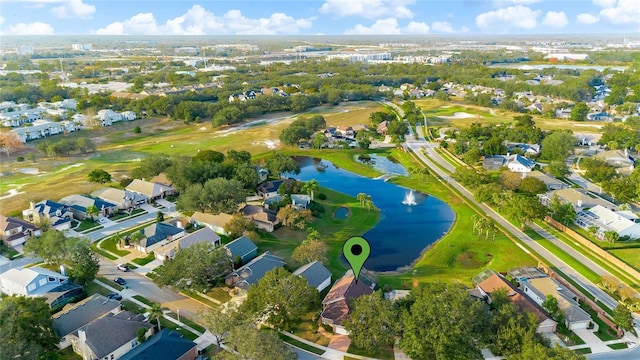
(517, 2)
(514, 16)
(1, 20)
(442, 26)
(587, 19)
(34, 28)
(370, 9)
(380, 27)
(416, 27)
(620, 12)
(555, 19)
(74, 9)
(199, 21)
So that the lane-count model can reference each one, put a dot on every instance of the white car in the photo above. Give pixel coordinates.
(102, 220)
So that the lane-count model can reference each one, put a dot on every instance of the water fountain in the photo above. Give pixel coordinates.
(409, 199)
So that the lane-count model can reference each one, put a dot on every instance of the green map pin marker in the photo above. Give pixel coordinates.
(356, 250)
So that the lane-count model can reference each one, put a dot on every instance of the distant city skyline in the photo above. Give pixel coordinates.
(313, 17)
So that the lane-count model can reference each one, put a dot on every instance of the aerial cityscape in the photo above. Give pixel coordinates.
(323, 179)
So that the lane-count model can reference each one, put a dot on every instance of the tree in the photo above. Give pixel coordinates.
(611, 236)
(246, 174)
(156, 312)
(579, 112)
(238, 225)
(550, 304)
(610, 283)
(308, 251)
(511, 180)
(280, 163)
(26, 328)
(557, 146)
(91, 211)
(251, 343)
(219, 321)
(197, 267)
(472, 156)
(524, 209)
(280, 298)
(449, 318)
(362, 197)
(310, 187)
(626, 293)
(532, 349)
(54, 248)
(159, 216)
(494, 146)
(9, 142)
(216, 195)
(558, 169)
(373, 322)
(83, 265)
(532, 185)
(622, 317)
(621, 189)
(290, 216)
(319, 140)
(398, 129)
(99, 176)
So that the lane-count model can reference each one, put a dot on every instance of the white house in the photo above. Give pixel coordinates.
(128, 115)
(521, 164)
(42, 129)
(538, 289)
(34, 281)
(625, 223)
(108, 117)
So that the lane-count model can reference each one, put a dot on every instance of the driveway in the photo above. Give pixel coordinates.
(121, 226)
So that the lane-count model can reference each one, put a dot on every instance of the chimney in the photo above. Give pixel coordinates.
(179, 224)
(31, 205)
(579, 203)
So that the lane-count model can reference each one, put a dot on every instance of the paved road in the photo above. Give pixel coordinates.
(6, 264)
(120, 226)
(544, 253)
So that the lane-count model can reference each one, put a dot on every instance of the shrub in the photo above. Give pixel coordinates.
(137, 130)
(20, 158)
(322, 196)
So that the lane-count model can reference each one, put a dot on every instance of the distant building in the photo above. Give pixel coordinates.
(81, 47)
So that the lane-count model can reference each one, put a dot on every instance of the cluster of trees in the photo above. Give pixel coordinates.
(620, 187)
(74, 253)
(302, 129)
(628, 298)
(395, 127)
(66, 146)
(198, 267)
(456, 326)
(513, 195)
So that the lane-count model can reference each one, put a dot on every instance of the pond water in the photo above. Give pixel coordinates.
(341, 213)
(383, 164)
(403, 232)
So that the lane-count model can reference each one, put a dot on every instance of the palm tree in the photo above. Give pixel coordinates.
(369, 202)
(362, 197)
(91, 211)
(310, 187)
(155, 312)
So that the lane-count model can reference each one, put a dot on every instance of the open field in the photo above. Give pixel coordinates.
(444, 114)
(120, 150)
(631, 256)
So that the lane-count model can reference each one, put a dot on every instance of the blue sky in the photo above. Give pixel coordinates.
(335, 17)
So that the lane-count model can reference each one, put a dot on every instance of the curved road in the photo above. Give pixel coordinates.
(551, 259)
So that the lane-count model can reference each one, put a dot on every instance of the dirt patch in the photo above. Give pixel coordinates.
(471, 260)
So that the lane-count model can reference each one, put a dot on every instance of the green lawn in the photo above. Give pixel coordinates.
(300, 344)
(111, 244)
(143, 300)
(93, 288)
(219, 294)
(68, 354)
(618, 346)
(7, 252)
(631, 256)
(87, 224)
(109, 282)
(166, 324)
(144, 260)
(385, 354)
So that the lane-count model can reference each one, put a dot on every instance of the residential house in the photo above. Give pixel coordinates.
(300, 201)
(538, 289)
(150, 190)
(242, 248)
(166, 345)
(617, 158)
(41, 129)
(263, 219)
(563, 113)
(269, 188)
(57, 215)
(494, 162)
(578, 198)
(14, 231)
(214, 222)
(316, 275)
(535, 107)
(204, 235)
(123, 199)
(108, 117)
(263, 174)
(489, 281)
(110, 337)
(624, 223)
(336, 306)
(128, 115)
(80, 314)
(39, 282)
(79, 204)
(253, 271)
(527, 149)
(520, 164)
(551, 182)
(157, 235)
(382, 128)
(271, 202)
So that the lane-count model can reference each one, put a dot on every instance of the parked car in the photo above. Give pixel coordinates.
(120, 281)
(123, 267)
(102, 220)
(114, 296)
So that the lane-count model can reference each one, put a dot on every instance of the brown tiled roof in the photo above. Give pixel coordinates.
(496, 282)
(336, 305)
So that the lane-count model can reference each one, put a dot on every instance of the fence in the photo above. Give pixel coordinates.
(595, 248)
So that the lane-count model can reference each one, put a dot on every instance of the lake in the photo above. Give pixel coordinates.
(403, 232)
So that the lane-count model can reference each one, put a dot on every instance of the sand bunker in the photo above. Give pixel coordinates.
(29, 171)
(459, 115)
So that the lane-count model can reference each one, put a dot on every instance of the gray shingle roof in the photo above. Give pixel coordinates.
(158, 232)
(83, 313)
(314, 272)
(108, 333)
(167, 345)
(253, 271)
(241, 247)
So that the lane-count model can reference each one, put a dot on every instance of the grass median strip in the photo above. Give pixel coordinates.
(300, 344)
